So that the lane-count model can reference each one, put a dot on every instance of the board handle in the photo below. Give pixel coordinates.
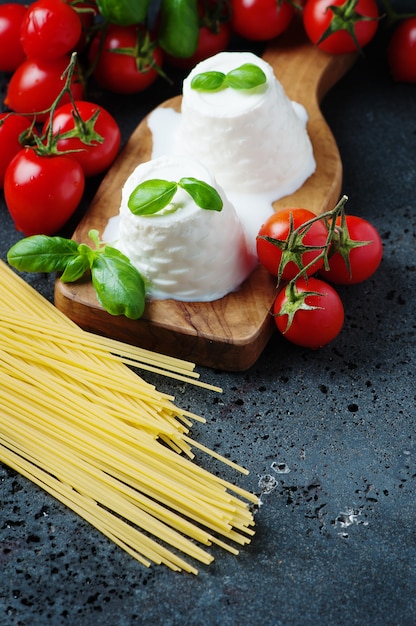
(307, 74)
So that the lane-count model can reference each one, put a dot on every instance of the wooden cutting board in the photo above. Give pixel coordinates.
(230, 333)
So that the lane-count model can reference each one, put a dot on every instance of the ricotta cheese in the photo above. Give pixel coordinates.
(255, 142)
(252, 140)
(183, 252)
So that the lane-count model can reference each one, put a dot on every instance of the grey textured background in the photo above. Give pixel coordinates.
(335, 540)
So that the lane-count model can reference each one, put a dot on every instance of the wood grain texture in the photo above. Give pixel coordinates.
(229, 333)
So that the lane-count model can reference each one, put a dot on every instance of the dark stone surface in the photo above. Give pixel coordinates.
(335, 540)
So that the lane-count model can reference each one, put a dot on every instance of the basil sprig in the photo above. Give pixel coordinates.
(123, 12)
(152, 196)
(247, 76)
(119, 287)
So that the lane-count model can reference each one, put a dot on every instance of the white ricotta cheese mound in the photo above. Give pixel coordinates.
(253, 141)
(184, 252)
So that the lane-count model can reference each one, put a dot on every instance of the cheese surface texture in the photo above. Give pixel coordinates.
(184, 252)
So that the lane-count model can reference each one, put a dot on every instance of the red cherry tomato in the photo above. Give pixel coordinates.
(130, 71)
(96, 157)
(11, 127)
(363, 259)
(402, 51)
(11, 51)
(209, 43)
(260, 20)
(42, 192)
(312, 317)
(50, 29)
(36, 84)
(289, 250)
(360, 15)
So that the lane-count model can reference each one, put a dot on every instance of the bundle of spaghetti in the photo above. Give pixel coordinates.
(88, 430)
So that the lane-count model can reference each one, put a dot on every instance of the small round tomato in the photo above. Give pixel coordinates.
(11, 51)
(402, 51)
(282, 252)
(50, 29)
(36, 84)
(309, 313)
(11, 127)
(97, 139)
(209, 43)
(42, 192)
(260, 20)
(353, 30)
(356, 251)
(126, 61)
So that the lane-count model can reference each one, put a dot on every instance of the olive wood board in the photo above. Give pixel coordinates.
(230, 333)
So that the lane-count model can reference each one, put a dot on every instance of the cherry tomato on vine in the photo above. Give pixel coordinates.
(42, 192)
(100, 135)
(402, 51)
(127, 61)
(260, 20)
(50, 29)
(11, 51)
(349, 24)
(36, 84)
(11, 127)
(286, 255)
(355, 253)
(309, 313)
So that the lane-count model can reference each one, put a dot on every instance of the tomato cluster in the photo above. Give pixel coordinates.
(308, 252)
(123, 45)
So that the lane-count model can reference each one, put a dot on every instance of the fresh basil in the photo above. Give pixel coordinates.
(179, 28)
(123, 12)
(75, 268)
(204, 195)
(154, 195)
(40, 253)
(119, 287)
(247, 76)
(151, 196)
(208, 81)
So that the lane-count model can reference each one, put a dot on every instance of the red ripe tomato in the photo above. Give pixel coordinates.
(11, 51)
(96, 156)
(346, 248)
(287, 252)
(360, 17)
(402, 51)
(42, 192)
(209, 43)
(36, 84)
(50, 29)
(309, 313)
(11, 127)
(130, 71)
(259, 20)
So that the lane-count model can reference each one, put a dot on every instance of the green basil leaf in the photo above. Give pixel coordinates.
(123, 12)
(247, 76)
(204, 195)
(41, 253)
(179, 28)
(110, 251)
(208, 81)
(151, 196)
(118, 285)
(75, 268)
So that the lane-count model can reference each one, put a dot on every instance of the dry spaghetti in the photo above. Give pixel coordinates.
(84, 427)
